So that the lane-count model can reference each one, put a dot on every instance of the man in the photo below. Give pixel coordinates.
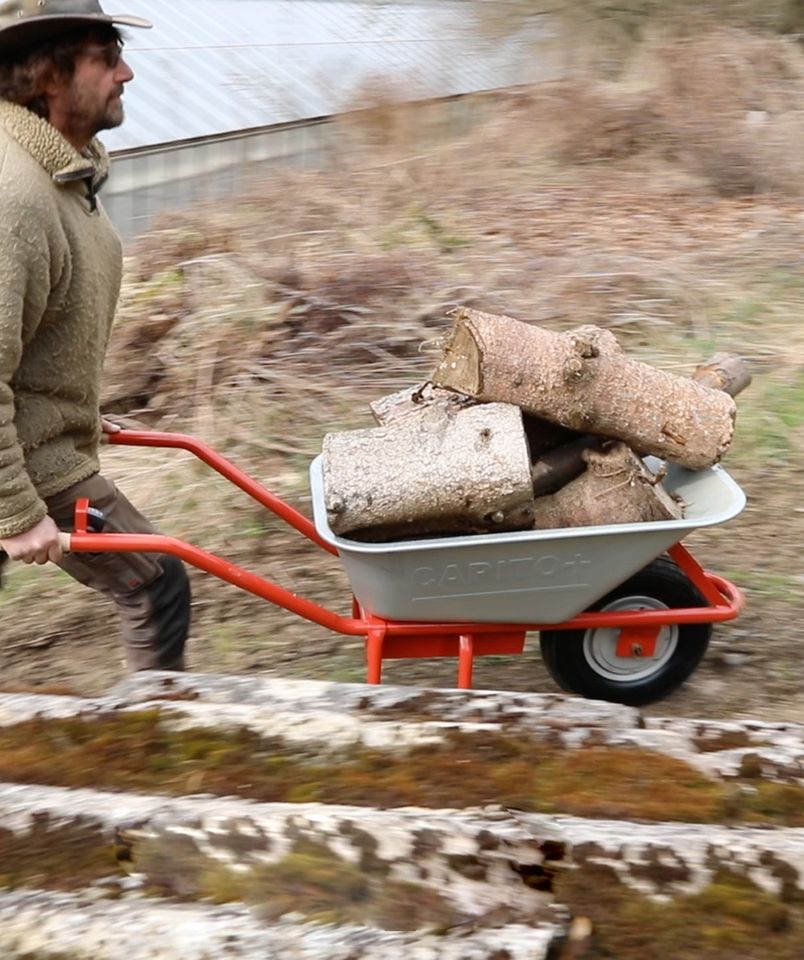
(62, 78)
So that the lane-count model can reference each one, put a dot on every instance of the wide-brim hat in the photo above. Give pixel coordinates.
(24, 23)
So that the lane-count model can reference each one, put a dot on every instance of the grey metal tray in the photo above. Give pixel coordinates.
(528, 576)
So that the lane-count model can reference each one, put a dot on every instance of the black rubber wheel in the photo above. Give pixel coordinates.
(584, 661)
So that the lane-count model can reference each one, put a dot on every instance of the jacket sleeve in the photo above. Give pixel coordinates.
(24, 291)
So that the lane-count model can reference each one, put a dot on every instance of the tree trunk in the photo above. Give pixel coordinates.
(445, 471)
(583, 381)
(616, 487)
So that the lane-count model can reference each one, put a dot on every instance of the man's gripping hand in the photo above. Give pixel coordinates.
(37, 545)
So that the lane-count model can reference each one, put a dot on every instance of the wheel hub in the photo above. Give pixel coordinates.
(600, 645)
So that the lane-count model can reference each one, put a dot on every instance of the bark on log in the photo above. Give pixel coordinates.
(459, 471)
(616, 487)
(723, 371)
(558, 467)
(414, 401)
(553, 469)
(583, 381)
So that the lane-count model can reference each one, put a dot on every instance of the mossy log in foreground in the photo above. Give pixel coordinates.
(729, 919)
(717, 914)
(310, 879)
(143, 751)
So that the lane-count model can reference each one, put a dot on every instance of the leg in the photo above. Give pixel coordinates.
(151, 591)
(374, 644)
(466, 658)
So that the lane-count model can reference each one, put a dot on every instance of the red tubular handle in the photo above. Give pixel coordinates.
(219, 463)
(156, 543)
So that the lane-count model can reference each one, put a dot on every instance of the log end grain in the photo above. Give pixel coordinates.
(460, 367)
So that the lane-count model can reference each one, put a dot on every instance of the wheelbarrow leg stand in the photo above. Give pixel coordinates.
(466, 660)
(375, 640)
(377, 650)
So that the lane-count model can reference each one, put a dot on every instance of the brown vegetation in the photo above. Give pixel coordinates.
(54, 855)
(731, 919)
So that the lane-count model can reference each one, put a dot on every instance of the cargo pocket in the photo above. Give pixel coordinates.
(115, 574)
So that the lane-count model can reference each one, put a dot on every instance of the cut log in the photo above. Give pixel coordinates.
(583, 381)
(616, 487)
(724, 371)
(446, 471)
(556, 467)
(413, 401)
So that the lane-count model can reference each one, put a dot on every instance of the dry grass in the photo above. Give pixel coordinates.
(604, 34)
(724, 107)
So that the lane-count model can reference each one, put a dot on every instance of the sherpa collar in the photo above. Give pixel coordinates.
(52, 151)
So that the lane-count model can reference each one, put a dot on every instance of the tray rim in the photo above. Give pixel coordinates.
(734, 506)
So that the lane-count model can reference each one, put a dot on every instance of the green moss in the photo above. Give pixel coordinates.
(771, 803)
(165, 282)
(141, 751)
(310, 880)
(731, 919)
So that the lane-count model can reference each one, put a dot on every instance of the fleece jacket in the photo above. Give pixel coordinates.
(60, 272)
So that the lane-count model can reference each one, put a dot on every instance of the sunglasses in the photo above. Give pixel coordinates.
(110, 53)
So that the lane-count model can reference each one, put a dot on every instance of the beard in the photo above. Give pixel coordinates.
(113, 116)
(89, 116)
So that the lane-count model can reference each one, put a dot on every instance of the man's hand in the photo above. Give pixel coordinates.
(37, 545)
(109, 427)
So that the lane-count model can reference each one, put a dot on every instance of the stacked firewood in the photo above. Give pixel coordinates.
(521, 427)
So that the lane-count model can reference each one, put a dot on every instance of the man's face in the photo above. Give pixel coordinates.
(91, 100)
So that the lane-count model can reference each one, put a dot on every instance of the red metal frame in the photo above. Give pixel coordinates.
(391, 639)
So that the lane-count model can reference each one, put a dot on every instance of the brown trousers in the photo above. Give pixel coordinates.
(151, 591)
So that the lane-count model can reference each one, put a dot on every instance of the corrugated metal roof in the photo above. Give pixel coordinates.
(211, 66)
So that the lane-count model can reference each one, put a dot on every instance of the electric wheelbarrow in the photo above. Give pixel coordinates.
(624, 611)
